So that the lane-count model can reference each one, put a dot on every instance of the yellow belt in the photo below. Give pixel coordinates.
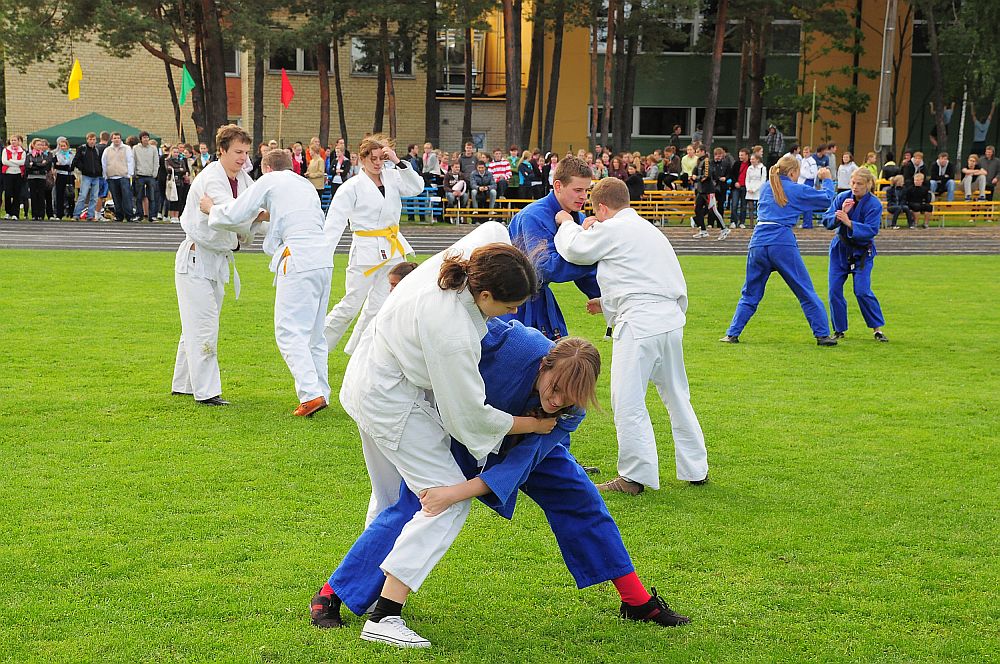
(392, 234)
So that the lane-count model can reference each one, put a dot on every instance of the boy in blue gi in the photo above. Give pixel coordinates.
(856, 215)
(533, 230)
(773, 248)
(523, 372)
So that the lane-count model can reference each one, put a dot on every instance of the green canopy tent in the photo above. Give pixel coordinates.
(76, 130)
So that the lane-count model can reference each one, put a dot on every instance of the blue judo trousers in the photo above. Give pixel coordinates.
(773, 248)
(539, 465)
(533, 230)
(852, 252)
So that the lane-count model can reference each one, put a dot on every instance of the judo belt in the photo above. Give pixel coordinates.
(236, 275)
(391, 233)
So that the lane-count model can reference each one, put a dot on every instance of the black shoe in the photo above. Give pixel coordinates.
(325, 611)
(826, 341)
(838, 335)
(881, 337)
(699, 482)
(175, 393)
(654, 611)
(213, 401)
(590, 470)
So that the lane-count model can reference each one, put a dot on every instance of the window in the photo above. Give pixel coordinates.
(921, 40)
(283, 58)
(451, 56)
(725, 121)
(600, 118)
(786, 37)
(660, 121)
(231, 57)
(365, 56)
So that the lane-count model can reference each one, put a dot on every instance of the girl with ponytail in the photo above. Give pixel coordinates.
(773, 247)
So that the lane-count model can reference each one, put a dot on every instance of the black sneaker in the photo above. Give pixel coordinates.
(881, 337)
(325, 611)
(654, 611)
(826, 341)
(838, 335)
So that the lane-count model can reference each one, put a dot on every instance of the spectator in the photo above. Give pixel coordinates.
(670, 172)
(980, 129)
(913, 166)
(14, 158)
(515, 183)
(467, 160)
(338, 167)
(807, 167)
(738, 200)
(118, 163)
(946, 113)
(992, 166)
(203, 159)
(316, 172)
(896, 203)
(65, 182)
(821, 156)
(456, 188)
(943, 176)
(549, 171)
(147, 164)
(355, 167)
(775, 143)
(697, 134)
(616, 169)
(88, 161)
(178, 173)
(38, 164)
(705, 200)
(531, 177)
(343, 146)
(720, 173)
(871, 163)
(102, 144)
(889, 168)
(831, 156)
(413, 159)
(431, 166)
(846, 170)
(483, 187)
(918, 199)
(299, 163)
(500, 170)
(675, 137)
(599, 153)
(635, 183)
(598, 170)
(316, 148)
(755, 178)
(161, 182)
(973, 173)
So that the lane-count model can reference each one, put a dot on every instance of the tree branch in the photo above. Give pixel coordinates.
(166, 57)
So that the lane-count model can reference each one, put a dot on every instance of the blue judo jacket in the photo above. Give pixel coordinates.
(782, 219)
(866, 219)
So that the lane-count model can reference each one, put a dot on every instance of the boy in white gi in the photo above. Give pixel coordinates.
(644, 297)
(302, 263)
(371, 202)
(202, 269)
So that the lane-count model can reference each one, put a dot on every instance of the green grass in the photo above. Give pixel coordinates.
(852, 513)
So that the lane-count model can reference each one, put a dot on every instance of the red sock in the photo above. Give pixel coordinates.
(326, 590)
(631, 590)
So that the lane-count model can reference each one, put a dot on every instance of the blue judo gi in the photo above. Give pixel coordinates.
(533, 230)
(773, 248)
(539, 465)
(852, 251)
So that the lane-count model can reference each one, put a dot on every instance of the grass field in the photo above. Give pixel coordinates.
(852, 513)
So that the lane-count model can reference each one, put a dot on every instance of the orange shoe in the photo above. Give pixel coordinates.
(311, 407)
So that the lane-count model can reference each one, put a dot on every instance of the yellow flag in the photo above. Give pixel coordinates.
(75, 76)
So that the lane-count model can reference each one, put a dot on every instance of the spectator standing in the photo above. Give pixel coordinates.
(515, 183)
(846, 170)
(14, 158)
(499, 168)
(943, 176)
(635, 183)
(483, 187)
(316, 174)
(147, 165)
(946, 113)
(118, 164)
(414, 160)
(918, 199)
(705, 200)
(871, 164)
(161, 182)
(531, 176)
(774, 141)
(738, 201)
(720, 174)
(88, 161)
(974, 175)
(890, 169)
(549, 171)
(256, 170)
(177, 171)
(204, 158)
(431, 166)
(355, 168)
(102, 144)
(980, 129)
(338, 167)
(755, 178)
(299, 163)
(913, 166)
(467, 161)
(808, 168)
(315, 148)
(38, 164)
(65, 182)
(675, 137)
(992, 165)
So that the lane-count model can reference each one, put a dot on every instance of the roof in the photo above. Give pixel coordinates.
(76, 130)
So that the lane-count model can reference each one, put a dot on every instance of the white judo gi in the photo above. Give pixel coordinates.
(302, 262)
(412, 383)
(201, 270)
(644, 297)
(376, 245)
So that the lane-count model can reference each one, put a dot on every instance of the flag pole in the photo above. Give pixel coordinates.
(812, 118)
(281, 114)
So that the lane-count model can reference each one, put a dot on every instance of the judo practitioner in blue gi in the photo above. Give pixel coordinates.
(773, 248)
(523, 372)
(533, 230)
(856, 215)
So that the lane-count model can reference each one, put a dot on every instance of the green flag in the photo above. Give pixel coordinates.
(187, 85)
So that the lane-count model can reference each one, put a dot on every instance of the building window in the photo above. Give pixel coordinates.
(451, 56)
(660, 121)
(921, 40)
(786, 37)
(725, 121)
(365, 56)
(292, 60)
(232, 61)
(600, 118)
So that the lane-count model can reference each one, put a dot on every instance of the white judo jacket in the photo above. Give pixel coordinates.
(426, 339)
(640, 278)
(295, 231)
(213, 247)
(359, 202)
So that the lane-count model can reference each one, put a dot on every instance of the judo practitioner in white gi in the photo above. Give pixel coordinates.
(413, 383)
(302, 263)
(644, 298)
(371, 203)
(202, 269)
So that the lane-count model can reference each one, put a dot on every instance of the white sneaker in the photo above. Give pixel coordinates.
(732, 224)
(693, 225)
(723, 234)
(393, 630)
(700, 234)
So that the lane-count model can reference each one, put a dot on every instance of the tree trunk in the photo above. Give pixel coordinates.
(512, 60)
(758, 61)
(608, 67)
(741, 95)
(323, 71)
(558, 28)
(432, 108)
(390, 89)
(593, 84)
(379, 93)
(937, 80)
(713, 83)
(258, 97)
(534, 72)
(173, 97)
(213, 65)
(467, 97)
(628, 87)
(897, 63)
(618, 76)
(339, 90)
(3, 97)
(854, 69)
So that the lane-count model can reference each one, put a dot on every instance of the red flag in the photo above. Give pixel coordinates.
(287, 92)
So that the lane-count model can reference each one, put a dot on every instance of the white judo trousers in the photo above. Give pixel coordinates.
(634, 364)
(363, 293)
(196, 368)
(300, 303)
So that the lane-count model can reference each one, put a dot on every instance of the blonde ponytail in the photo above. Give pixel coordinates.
(787, 166)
